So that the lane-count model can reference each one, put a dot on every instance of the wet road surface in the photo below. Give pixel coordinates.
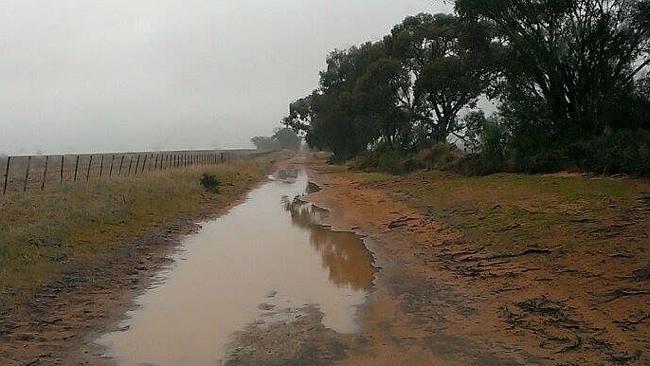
(268, 253)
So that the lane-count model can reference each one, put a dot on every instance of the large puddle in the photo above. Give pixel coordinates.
(267, 253)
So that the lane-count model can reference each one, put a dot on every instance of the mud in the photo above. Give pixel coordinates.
(435, 297)
(442, 299)
(268, 253)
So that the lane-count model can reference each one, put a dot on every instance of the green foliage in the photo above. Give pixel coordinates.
(405, 91)
(568, 76)
(576, 60)
(441, 156)
(386, 159)
(283, 138)
(617, 152)
(287, 139)
(264, 143)
(210, 183)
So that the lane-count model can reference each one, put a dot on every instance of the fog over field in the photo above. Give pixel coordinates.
(123, 75)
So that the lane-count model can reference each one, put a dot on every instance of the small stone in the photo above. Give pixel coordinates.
(266, 306)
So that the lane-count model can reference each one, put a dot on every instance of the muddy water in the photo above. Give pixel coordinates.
(267, 254)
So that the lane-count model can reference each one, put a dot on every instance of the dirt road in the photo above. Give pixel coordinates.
(442, 298)
(483, 272)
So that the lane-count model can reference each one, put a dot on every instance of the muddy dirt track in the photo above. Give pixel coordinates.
(443, 300)
(438, 298)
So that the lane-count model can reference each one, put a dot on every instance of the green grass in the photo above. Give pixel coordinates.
(506, 212)
(43, 234)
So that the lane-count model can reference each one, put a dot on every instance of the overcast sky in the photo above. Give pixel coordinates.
(130, 75)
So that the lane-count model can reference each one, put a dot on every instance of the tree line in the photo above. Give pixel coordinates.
(569, 79)
(283, 138)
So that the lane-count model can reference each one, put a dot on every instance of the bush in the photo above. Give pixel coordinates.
(542, 161)
(210, 183)
(477, 165)
(618, 152)
(623, 151)
(439, 156)
(387, 160)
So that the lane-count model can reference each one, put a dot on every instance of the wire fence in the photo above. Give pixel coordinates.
(38, 172)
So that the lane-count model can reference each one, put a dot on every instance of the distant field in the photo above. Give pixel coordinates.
(62, 168)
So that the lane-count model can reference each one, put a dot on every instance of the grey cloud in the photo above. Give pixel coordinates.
(123, 75)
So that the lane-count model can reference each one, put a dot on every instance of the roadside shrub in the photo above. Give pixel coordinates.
(477, 165)
(210, 183)
(385, 159)
(617, 152)
(439, 156)
(543, 161)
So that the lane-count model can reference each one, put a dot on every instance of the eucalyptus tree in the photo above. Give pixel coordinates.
(449, 63)
(332, 117)
(569, 64)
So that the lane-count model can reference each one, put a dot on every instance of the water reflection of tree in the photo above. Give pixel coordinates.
(342, 253)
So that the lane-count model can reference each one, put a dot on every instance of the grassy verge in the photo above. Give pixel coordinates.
(44, 234)
(506, 212)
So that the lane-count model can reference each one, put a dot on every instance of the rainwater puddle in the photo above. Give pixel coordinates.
(267, 253)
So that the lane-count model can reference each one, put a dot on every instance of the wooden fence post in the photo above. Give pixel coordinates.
(130, 165)
(90, 163)
(101, 166)
(47, 160)
(155, 166)
(119, 172)
(144, 163)
(137, 166)
(4, 188)
(76, 168)
(61, 169)
(29, 162)
(110, 173)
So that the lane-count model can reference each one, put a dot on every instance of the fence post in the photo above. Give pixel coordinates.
(29, 162)
(61, 169)
(144, 163)
(90, 163)
(110, 173)
(76, 167)
(155, 166)
(47, 159)
(4, 189)
(130, 165)
(137, 166)
(119, 172)
(101, 167)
